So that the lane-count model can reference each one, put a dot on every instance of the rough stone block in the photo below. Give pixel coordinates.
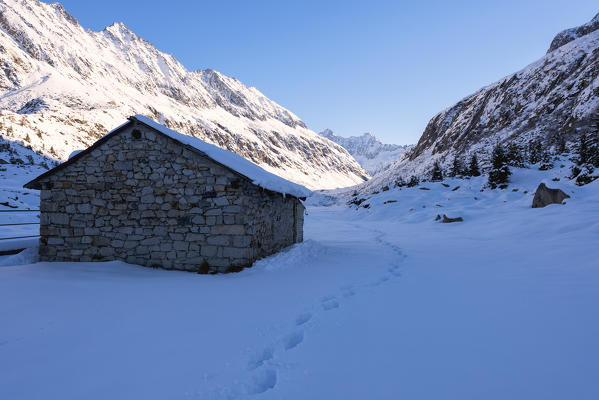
(228, 229)
(208, 251)
(242, 241)
(234, 252)
(180, 245)
(194, 237)
(84, 208)
(219, 240)
(59, 219)
(55, 241)
(106, 251)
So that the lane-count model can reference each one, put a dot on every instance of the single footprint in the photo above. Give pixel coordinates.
(263, 381)
(395, 272)
(348, 291)
(293, 339)
(329, 303)
(260, 358)
(303, 318)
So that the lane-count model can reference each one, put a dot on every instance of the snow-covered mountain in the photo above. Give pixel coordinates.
(555, 97)
(62, 87)
(373, 155)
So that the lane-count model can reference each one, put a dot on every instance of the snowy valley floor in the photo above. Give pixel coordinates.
(378, 303)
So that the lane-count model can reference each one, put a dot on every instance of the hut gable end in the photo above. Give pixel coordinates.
(142, 197)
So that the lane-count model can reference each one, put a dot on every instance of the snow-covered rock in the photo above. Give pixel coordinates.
(568, 35)
(555, 97)
(62, 87)
(372, 154)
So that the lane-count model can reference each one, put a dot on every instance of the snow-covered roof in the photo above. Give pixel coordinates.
(256, 174)
(240, 165)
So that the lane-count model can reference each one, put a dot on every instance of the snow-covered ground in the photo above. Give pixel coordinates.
(12, 193)
(13, 199)
(377, 303)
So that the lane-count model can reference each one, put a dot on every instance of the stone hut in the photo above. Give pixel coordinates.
(147, 195)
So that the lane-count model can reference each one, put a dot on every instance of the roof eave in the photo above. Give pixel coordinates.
(191, 148)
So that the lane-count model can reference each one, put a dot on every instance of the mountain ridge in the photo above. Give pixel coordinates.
(63, 86)
(552, 99)
(372, 154)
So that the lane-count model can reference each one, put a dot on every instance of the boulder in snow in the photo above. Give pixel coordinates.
(545, 196)
(447, 220)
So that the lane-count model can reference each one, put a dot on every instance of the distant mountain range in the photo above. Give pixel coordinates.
(373, 155)
(555, 97)
(62, 87)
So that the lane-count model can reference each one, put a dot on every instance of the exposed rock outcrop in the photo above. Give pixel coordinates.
(568, 35)
(447, 220)
(545, 196)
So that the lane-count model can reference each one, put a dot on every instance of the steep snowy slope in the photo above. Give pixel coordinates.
(62, 87)
(553, 97)
(372, 154)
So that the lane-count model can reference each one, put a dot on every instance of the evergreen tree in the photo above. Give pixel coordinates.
(473, 168)
(437, 173)
(514, 155)
(587, 155)
(500, 172)
(546, 162)
(414, 181)
(400, 182)
(456, 167)
(535, 151)
(583, 151)
(561, 145)
(594, 142)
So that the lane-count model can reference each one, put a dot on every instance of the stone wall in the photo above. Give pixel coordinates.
(155, 202)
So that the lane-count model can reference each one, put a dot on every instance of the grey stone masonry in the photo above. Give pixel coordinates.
(144, 198)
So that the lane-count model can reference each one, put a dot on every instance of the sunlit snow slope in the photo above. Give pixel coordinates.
(62, 87)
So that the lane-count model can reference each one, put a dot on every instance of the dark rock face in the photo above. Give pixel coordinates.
(33, 106)
(568, 35)
(545, 196)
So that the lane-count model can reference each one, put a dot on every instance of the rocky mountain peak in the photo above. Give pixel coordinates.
(571, 34)
(552, 100)
(64, 86)
(119, 29)
(64, 13)
(374, 155)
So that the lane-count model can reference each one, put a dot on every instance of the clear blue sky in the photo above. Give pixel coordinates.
(352, 66)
